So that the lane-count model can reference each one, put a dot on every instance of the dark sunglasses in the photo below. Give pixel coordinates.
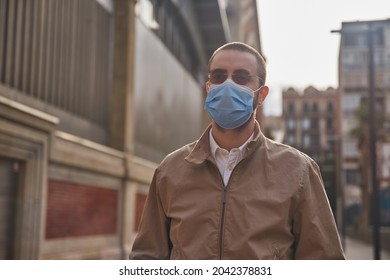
(241, 77)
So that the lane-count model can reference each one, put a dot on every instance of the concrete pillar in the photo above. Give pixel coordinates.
(122, 102)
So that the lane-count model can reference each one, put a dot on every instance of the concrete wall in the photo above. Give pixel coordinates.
(78, 199)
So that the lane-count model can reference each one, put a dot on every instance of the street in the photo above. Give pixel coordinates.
(359, 250)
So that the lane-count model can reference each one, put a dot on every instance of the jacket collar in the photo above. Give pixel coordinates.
(201, 150)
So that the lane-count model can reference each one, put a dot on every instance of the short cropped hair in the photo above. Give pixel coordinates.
(242, 47)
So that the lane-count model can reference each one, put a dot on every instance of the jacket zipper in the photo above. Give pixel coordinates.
(222, 223)
(225, 189)
(220, 237)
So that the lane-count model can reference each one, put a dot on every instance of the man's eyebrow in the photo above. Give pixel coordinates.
(218, 69)
(241, 72)
(235, 70)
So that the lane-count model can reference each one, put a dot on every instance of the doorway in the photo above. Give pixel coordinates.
(9, 189)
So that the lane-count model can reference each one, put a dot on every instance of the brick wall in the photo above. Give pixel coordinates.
(75, 210)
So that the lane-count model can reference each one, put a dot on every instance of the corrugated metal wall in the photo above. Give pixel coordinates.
(59, 52)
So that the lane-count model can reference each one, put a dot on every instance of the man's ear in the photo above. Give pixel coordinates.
(263, 92)
(207, 85)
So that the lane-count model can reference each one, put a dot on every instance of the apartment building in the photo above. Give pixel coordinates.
(354, 84)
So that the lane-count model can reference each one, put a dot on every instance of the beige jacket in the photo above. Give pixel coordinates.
(274, 207)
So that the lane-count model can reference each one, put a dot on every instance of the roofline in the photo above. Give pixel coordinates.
(367, 21)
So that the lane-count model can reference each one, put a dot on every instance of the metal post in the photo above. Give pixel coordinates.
(341, 213)
(372, 122)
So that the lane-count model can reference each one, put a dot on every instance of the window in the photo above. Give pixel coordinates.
(350, 149)
(314, 124)
(314, 141)
(329, 124)
(169, 25)
(290, 124)
(306, 124)
(291, 140)
(291, 107)
(352, 177)
(305, 107)
(353, 60)
(350, 102)
(378, 36)
(330, 107)
(306, 141)
(354, 39)
(315, 107)
(379, 59)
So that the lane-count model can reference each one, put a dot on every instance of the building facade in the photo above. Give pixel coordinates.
(311, 125)
(354, 82)
(93, 94)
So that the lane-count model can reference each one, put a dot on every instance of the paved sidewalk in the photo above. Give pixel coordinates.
(359, 250)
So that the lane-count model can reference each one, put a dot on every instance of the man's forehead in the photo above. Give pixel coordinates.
(234, 58)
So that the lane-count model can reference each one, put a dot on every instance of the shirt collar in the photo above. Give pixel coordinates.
(201, 149)
(214, 146)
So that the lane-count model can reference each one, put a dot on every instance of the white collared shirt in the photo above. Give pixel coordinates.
(225, 160)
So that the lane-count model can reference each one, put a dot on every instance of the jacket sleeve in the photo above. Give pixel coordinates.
(152, 240)
(314, 226)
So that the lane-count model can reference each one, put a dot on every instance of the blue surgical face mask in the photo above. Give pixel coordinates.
(230, 105)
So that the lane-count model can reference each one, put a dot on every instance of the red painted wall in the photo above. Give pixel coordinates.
(75, 210)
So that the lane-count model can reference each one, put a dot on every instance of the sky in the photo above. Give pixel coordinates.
(298, 45)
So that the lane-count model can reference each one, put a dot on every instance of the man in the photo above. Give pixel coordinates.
(234, 194)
